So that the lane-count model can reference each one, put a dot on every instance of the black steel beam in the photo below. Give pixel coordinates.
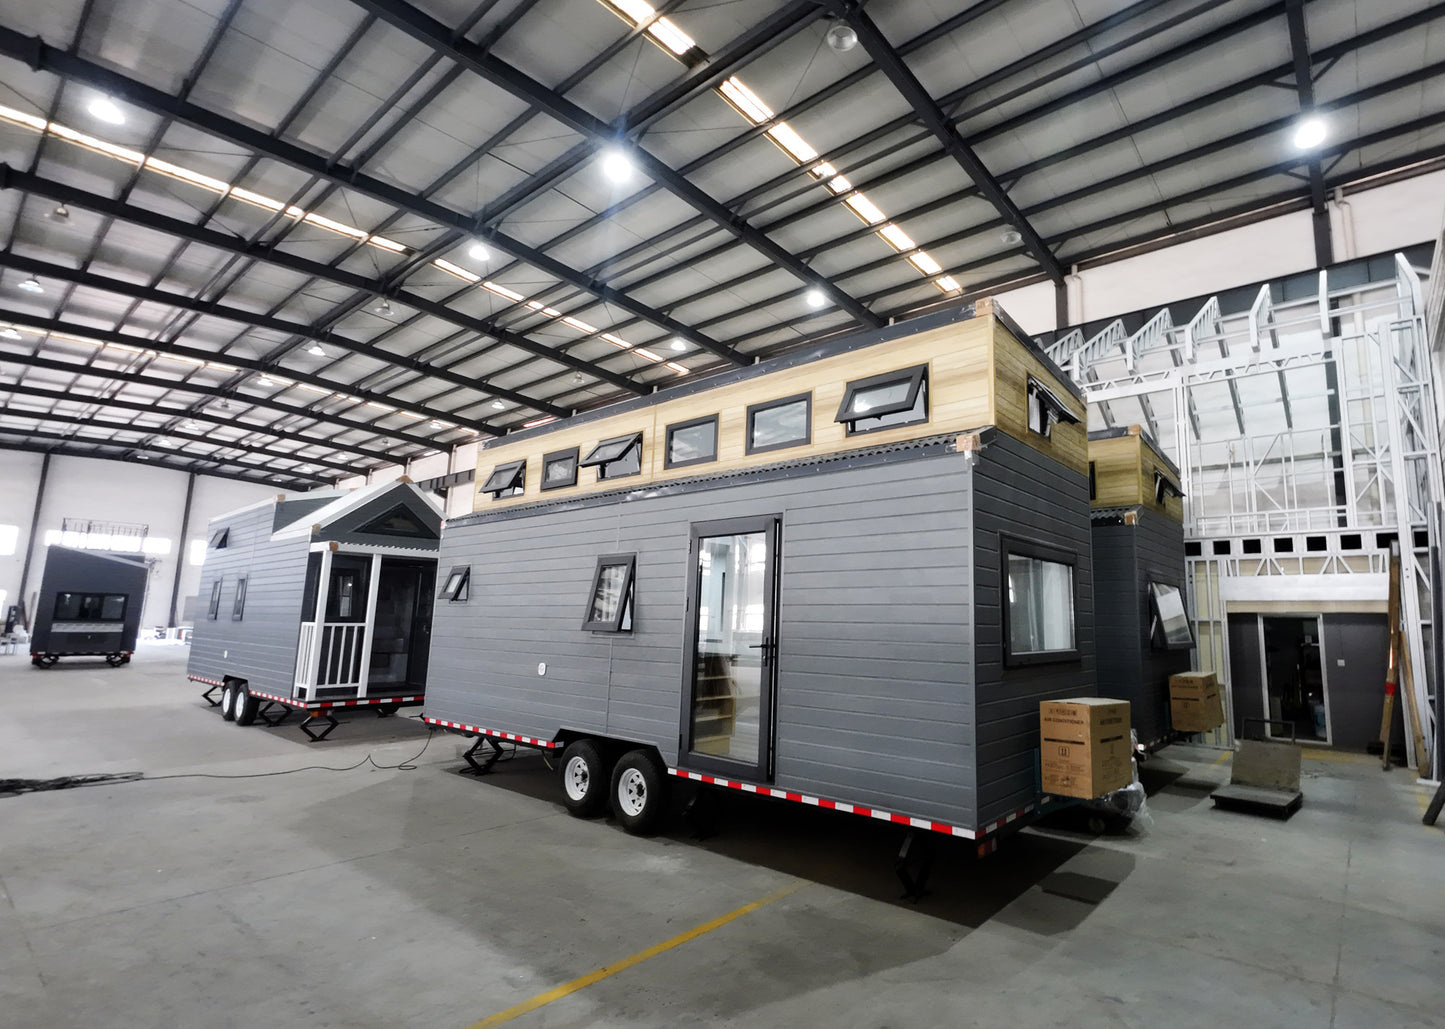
(942, 127)
(436, 35)
(1294, 11)
(40, 56)
(256, 320)
(228, 396)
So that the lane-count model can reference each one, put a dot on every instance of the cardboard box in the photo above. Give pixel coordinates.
(1085, 748)
(1195, 703)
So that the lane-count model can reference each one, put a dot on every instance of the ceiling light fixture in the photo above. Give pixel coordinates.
(616, 165)
(679, 345)
(315, 350)
(477, 252)
(497, 405)
(61, 213)
(32, 285)
(816, 298)
(106, 109)
(841, 36)
(383, 307)
(577, 378)
(1012, 237)
(1310, 133)
(9, 332)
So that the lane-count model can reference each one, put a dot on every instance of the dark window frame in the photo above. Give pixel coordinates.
(214, 610)
(917, 379)
(767, 405)
(514, 471)
(1051, 409)
(632, 439)
(89, 607)
(560, 455)
(238, 605)
(1013, 546)
(1164, 488)
(692, 423)
(221, 538)
(415, 529)
(462, 589)
(1158, 637)
(622, 620)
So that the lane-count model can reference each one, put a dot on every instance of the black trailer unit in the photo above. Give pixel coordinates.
(89, 605)
(844, 578)
(1141, 627)
(315, 602)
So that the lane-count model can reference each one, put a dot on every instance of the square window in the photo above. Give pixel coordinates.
(458, 584)
(112, 607)
(1170, 629)
(1046, 410)
(609, 607)
(885, 401)
(239, 606)
(617, 457)
(693, 442)
(1039, 606)
(214, 611)
(506, 480)
(775, 424)
(559, 469)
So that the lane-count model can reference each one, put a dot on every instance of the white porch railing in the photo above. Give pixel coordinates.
(336, 655)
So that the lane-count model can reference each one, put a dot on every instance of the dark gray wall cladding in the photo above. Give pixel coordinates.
(1126, 559)
(1357, 688)
(261, 646)
(1246, 674)
(1022, 493)
(79, 571)
(874, 646)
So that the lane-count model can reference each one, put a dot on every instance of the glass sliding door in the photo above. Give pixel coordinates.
(732, 650)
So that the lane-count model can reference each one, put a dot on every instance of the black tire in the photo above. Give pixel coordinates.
(228, 702)
(115, 660)
(45, 660)
(244, 707)
(383, 710)
(639, 792)
(584, 780)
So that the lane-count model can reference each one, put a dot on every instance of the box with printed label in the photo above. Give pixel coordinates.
(1195, 703)
(1085, 749)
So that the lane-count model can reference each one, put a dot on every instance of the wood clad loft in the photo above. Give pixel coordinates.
(1127, 470)
(960, 372)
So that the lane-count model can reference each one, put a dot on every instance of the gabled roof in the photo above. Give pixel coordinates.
(342, 511)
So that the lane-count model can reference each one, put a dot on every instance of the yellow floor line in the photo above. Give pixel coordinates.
(557, 993)
(1317, 754)
(1224, 757)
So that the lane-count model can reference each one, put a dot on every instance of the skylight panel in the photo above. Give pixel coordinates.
(896, 236)
(783, 134)
(866, 209)
(745, 100)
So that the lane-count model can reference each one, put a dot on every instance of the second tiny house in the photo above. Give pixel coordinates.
(846, 577)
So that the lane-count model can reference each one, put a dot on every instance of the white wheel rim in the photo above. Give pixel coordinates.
(632, 792)
(576, 779)
(228, 700)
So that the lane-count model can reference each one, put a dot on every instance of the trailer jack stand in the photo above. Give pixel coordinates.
(272, 720)
(483, 767)
(324, 716)
(210, 699)
(914, 863)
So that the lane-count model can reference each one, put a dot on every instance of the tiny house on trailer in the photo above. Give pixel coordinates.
(1141, 627)
(318, 601)
(845, 577)
(89, 605)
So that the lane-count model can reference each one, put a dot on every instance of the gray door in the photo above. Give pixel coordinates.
(732, 647)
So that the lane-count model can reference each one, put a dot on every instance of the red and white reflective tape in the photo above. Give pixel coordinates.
(514, 737)
(855, 809)
(322, 705)
(208, 682)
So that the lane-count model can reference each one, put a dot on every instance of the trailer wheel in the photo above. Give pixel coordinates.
(228, 702)
(115, 660)
(45, 660)
(384, 710)
(639, 792)
(584, 779)
(244, 706)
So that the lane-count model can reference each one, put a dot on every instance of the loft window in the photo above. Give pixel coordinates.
(215, 609)
(559, 469)
(399, 521)
(458, 584)
(693, 442)
(1164, 489)
(1169, 629)
(506, 480)
(609, 607)
(90, 607)
(775, 424)
(1046, 410)
(885, 401)
(617, 457)
(1038, 606)
(220, 539)
(238, 608)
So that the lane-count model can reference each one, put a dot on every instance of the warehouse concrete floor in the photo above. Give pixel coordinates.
(386, 897)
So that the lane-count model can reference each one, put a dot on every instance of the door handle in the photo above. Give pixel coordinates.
(769, 648)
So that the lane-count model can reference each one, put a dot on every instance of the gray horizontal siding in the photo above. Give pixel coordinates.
(1020, 492)
(874, 698)
(1160, 556)
(261, 646)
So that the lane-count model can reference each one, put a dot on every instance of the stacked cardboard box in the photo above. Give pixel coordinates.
(1194, 702)
(1085, 749)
